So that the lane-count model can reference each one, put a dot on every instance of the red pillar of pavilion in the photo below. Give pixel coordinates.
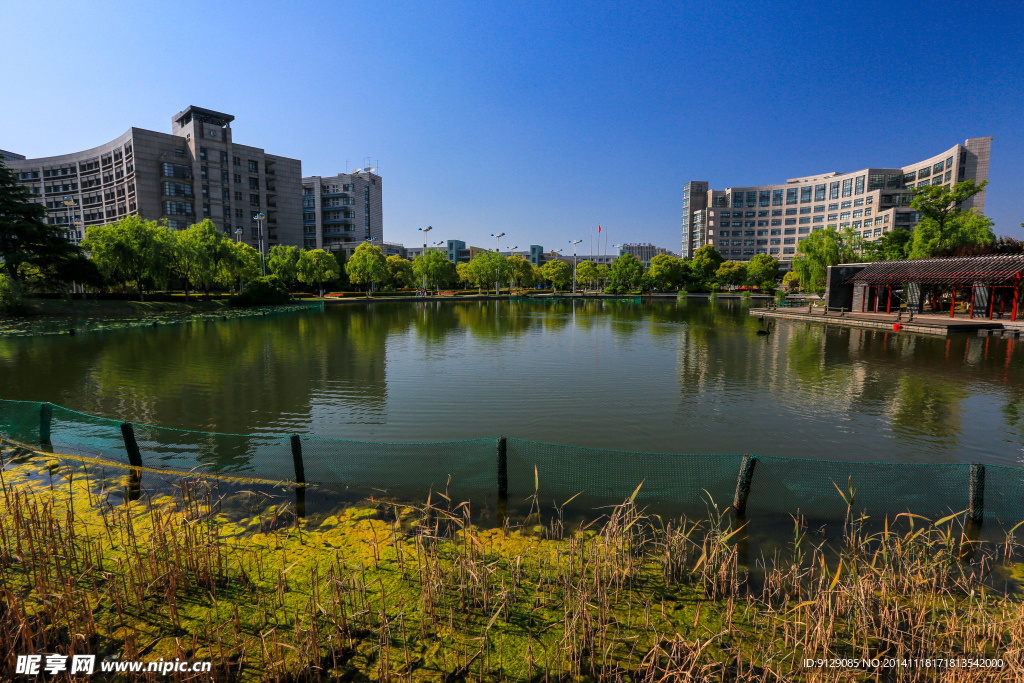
(952, 303)
(888, 301)
(1016, 296)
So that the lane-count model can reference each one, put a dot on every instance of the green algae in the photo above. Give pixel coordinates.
(391, 591)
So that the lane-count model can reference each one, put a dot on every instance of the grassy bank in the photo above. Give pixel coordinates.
(387, 591)
(80, 309)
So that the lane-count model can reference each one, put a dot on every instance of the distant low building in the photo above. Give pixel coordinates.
(645, 251)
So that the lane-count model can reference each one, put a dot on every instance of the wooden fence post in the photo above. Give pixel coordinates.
(739, 502)
(130, 445)
(45, 417)
(502, 469)
(977, 493)
(300, 477)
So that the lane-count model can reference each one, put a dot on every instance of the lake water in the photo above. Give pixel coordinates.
(660, 376)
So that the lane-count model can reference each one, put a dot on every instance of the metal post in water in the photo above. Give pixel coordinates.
(130, 445)
(45, 417)
(739, 502)
(977, 493)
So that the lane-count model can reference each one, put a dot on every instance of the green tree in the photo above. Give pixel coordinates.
(821, 249)
(26, 239)
(520, 271)
(762, 270)
(130, 251)
(465, 275)
(586, 273)
(283, 262)
(317, 267)
(399, 271)
(668, 272)
(195, 254)
(893, 246)
(705, 263)
(241, 265)
(602, 274)
(434, 268)
(627, 270)
(791, 280)
(558, 272)
(367, 266)
(939, 207)
(490, 267)
(961, 230)
(731, 273)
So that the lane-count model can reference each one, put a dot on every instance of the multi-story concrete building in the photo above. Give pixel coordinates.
(772, 219)
(195, 172)
(340, 212)
(645, 251)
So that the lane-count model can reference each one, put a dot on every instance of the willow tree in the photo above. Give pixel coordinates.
(821, 249)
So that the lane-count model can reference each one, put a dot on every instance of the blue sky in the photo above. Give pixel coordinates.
(540, 120)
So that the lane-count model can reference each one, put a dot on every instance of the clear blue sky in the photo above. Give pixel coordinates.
(540, 120)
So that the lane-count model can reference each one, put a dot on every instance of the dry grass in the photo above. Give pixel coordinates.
(418, 593)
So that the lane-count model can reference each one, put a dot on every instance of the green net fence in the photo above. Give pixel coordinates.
(515, 469)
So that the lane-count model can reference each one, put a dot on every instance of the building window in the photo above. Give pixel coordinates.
(805, 195)
(748, 224)
(819, 209)
(225, 195)
(775, 241)
(737, 200)
(776, 197)
(254, 200)
(254, 183)
(790, 221)
(790, 212)
(848, 187)
(788, 250)
(937, 168)
(751, 197)
(844, 216)
(858, 202)
(805, 220)
(236, 161)
(819, 193)
(204, 172)
(949, 174)
(791, 196)
(748, 214)
(805, 209)
(924, 172)
(223, 157)
(833, 190)
(224, 176)
(819, 219)
(764, 198)
(777, 221)
(777, 212)
(254, 166)
(206, 191)
(859, 185)
(202, 154)
(846, 205)
(856, 225)
(762, 223)
(858, 213)
(949, 162)
(762, 233)
(876, 181)
(177, 208)
(789, 240)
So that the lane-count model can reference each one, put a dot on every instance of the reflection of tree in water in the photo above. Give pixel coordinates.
(927, 405)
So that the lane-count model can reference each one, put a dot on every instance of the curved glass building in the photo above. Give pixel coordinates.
(197, 171)
(772, 219)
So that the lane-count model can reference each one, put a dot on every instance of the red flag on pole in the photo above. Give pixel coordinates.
(599, 228)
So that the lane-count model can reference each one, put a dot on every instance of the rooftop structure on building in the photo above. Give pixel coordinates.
(340, 212)
(772, 219)
(4, 154)
(195, 172)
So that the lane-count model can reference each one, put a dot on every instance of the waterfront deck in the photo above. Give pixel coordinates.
(941, 325)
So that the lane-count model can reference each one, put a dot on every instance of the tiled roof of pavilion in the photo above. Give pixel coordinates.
(989, 270)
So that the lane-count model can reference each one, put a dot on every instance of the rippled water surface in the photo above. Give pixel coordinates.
(687, 377)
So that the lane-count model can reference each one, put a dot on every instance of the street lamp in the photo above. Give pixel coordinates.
(263, 257)
(574, 263)
(238, 234)
(425, 231)
(497, 289)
